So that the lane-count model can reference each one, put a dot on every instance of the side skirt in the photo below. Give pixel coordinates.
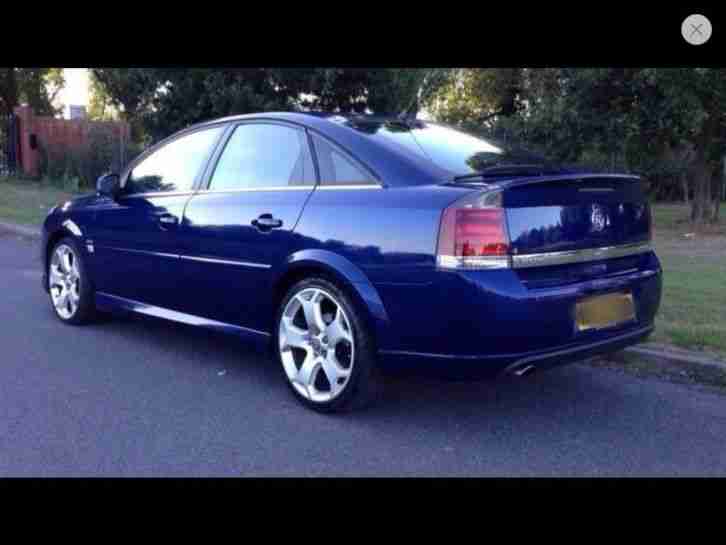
(111, 303)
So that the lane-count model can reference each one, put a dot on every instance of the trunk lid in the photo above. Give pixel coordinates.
(575, 212)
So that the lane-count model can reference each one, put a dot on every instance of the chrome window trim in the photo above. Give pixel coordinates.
(290, 188)
(579, 256)
(157, 194)
(350, 186)
(251, 189)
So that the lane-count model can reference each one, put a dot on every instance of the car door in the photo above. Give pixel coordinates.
(135, 237)
(239, 227)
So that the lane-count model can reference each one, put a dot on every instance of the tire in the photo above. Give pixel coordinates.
(70, 278)
(343, 348)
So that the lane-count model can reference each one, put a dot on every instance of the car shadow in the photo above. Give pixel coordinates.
(555, 393)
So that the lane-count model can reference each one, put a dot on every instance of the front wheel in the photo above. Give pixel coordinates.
(326, 351)
(69, 286)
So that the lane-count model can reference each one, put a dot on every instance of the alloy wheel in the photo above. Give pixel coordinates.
(316, 345)
(64, 281)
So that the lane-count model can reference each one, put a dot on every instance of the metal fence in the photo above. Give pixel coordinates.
(9, 145)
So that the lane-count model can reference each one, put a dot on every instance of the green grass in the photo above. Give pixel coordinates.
(27, 202)
(693, 307)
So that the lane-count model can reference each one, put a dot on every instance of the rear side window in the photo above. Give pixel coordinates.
(336, 168)
(260, 155)
(174, 166)
(454, 150)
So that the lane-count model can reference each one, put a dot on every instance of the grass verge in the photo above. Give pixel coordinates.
(27, 202)
(693, 308)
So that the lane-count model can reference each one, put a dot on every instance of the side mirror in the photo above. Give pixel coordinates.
(108, 185)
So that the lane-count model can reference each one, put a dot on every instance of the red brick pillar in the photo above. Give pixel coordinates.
(29, 157)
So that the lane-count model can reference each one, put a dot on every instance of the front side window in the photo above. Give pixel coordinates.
(336, 168)
(175, 166)
(259, 156)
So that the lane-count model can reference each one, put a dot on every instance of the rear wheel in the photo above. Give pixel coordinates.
(71, 293)
(325, 349)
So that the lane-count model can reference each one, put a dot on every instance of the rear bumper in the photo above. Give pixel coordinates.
(495, 319)
(486, 365)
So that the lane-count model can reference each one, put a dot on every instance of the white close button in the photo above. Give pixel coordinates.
(696, 29)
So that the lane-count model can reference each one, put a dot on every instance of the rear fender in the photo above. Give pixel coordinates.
(346, 273)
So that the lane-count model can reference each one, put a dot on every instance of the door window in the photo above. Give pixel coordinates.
(259, 156)
(175, 166)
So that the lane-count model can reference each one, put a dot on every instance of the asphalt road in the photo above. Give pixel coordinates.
(138, 397)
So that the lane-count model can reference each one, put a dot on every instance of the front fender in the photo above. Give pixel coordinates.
(347, 273)
(56, 226)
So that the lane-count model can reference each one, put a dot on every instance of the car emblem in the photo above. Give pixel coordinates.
(598, 218)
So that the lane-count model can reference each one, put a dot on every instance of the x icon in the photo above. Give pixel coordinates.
(696, 28)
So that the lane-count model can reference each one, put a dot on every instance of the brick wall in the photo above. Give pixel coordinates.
(67, 134)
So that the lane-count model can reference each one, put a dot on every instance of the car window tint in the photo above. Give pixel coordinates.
(451, 149)
(175, 166)
(336, 168)
(263, 155)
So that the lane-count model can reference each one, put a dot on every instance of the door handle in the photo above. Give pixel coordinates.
(266, 221)
(168, 220)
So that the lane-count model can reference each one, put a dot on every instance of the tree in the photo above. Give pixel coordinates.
(159, 101)
(37, 87)
(476, 97)
(129, 90)
(100, 104)
(642, 120)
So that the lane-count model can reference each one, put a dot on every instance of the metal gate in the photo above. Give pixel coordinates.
(9, 144)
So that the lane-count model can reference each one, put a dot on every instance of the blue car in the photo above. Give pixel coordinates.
(351, 245)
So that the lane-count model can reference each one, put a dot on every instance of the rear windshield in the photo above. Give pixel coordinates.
(452, 149)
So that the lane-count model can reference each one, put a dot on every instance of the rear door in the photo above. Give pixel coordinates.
(135, 238)
(240, 225)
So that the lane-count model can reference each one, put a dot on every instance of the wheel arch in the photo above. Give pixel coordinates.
(341, 271)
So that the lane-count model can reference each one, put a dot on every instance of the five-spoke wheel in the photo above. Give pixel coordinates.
(316, 345)
(64, 281)
(324, 346)
(71, 292)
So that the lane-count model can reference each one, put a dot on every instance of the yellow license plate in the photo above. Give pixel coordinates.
(604, 311)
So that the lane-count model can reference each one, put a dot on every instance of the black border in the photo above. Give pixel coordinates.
(461, 35)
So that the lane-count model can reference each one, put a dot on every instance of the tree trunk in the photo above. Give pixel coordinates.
(700, 206)
(719, 185)
(684, 186)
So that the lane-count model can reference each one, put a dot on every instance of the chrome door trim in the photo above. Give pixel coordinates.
(143, 252)
(579, 256)
(226, 262)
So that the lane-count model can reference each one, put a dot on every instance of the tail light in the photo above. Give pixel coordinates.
(473, 234)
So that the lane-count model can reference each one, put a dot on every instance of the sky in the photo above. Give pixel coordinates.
(76, 89)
